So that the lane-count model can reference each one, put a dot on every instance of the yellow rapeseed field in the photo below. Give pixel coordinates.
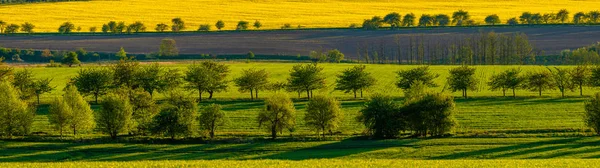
(324, 163)
(272, 13)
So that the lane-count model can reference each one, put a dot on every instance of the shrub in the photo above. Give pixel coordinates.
(430, 114)
(592, 113)
(382, 117)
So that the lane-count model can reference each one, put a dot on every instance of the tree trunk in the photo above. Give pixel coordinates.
(96, 97)
(514, 95)
(307, 94)
(199, 95)
(210, 94)
(503, 92)
(355, 94)
(273, 132)
(580, 90)
(563, 93)
(74, 130)
(256, 93)
(466, 94)
(540, 90)
(251, 95)
(361, 93)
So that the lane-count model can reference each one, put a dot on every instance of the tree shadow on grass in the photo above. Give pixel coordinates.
(538, 149)
(338, 149)
(522, 101)
(280, 149)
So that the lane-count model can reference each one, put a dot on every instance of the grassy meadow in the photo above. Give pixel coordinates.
(272, 13)
(486, 113)
(492, 131)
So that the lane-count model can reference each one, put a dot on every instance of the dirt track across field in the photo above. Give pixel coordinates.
(550, 39)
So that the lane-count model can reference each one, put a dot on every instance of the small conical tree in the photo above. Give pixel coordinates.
(82, 118)
(15, 116)
(60, 115)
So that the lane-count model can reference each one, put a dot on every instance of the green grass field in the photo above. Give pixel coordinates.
(485, 113)
(545, 131)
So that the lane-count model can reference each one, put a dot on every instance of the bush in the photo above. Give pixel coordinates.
(177, 117)
(382, 117)
(430, 114)
(592, 113)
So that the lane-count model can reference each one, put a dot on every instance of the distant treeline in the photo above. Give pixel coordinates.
(474, 49)
(463, 18)
(33, 1)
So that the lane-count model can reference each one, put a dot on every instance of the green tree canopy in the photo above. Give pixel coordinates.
(252, 81)
(242, 25)
(306, 77)
(492, 19)
(539, 81)
(178, 24)
(16, 117)
(220, 24)
(407, 77)
(60, 115)
(168, 48)
(382, 117)
(115, 114)
(508, 79)
(208, 76)
(393, 19)
(212, 117)
(177, 117)
(463, 79)
(278, 114)
(66, 27)
(71, 58)
(323, 114)
(82, 116)
(93, 81)
(355, 79)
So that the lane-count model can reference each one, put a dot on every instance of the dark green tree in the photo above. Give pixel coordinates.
(93, 81)
(306, 77)
(355, 79)
(252, 81)
(463, 79)
(407, 77)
